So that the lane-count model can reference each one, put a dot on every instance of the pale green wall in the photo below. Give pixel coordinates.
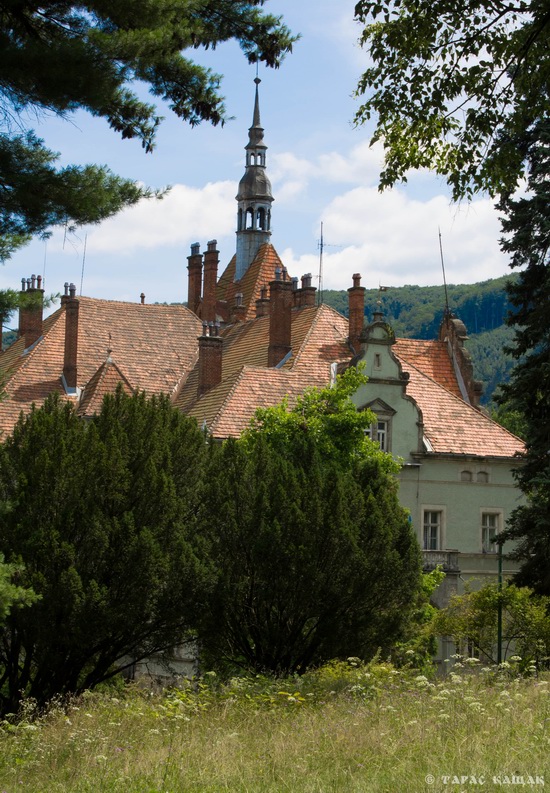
(429, 480)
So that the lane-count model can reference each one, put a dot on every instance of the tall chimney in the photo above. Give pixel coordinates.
(308, 291)
(356, 300)
(211, 259)
(279, 319)
(70, 358)
(210, 358)
(30, 310)
(194, 267)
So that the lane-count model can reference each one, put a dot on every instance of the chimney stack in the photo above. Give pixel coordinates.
(279, 319)
(210, 357)
(308, 291)
(70, 358)
(211, 259)
(239, 309)
(194, 268)
(262, 304)
(30, 309)
(356, 301)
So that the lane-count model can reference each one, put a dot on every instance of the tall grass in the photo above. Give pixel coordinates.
(346, 727)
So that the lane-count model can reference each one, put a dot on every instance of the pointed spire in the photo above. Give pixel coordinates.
(256, 119)
(254, 196)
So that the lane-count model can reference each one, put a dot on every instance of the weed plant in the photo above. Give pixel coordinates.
(344, 728)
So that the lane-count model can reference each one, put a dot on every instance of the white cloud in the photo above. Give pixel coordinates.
(186, 214)
(393, 239)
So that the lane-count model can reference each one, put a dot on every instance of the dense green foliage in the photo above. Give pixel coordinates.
(417, 311)
(315, 557)
(527, 226)
(11, 594)
(455, 86)
(100, 515)
(58, 57)
(472, 618)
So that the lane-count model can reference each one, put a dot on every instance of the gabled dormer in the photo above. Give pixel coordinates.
(398, 427)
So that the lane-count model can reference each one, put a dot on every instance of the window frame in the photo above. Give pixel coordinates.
(490, 547)
(440, 510)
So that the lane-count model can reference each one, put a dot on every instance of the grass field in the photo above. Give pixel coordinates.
(345, 728)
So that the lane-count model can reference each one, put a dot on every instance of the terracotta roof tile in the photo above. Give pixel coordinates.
(318, 340)
(452, 426)
(259, 274)
(430, 357)
(104, 381)
(157, 345)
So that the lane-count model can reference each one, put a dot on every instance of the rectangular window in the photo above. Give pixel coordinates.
(432, 530)
(490, 527)
(379, 433)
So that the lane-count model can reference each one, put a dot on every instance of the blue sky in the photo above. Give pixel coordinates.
(321, 168)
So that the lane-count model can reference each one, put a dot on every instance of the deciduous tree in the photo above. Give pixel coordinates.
(455, 86)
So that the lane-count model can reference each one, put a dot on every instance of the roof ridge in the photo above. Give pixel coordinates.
(319, 310)
(25, 359)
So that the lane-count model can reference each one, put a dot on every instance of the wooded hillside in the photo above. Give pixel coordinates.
(416, 312)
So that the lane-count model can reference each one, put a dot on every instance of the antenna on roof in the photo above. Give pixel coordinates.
(44, 265)
(322, 245)
(447, 312)
(83, 263)
(320, 278)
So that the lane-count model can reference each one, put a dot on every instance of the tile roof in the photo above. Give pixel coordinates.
(319, 338)
(259, 274)
(452, 426)
(104, 381)
(430, 357)
(157, 346)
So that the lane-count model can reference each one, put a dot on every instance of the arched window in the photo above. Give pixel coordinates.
(483, 477)
(249, 218)
(240, 220)
(465, 476)
(261, 218)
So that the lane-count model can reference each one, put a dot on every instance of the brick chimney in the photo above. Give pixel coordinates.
(30, 310)
(279, 319)
(194, 268)
(356, 301)
(308, 291)
(210, 358)
(70, 357)
(238, 312)
(211, 259)
(262, 304)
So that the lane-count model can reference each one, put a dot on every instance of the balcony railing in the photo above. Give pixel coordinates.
(448, 560)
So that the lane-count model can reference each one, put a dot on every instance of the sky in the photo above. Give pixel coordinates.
(322, 171)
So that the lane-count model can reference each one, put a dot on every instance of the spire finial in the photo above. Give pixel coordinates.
(256, 120)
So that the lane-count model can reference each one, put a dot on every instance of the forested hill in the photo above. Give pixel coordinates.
(416, 312)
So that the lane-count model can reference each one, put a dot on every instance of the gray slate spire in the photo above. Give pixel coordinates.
(254, 196)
